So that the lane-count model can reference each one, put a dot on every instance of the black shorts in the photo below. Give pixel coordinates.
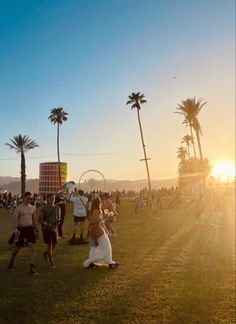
(49, 236)
(27, 235)
(79, 219)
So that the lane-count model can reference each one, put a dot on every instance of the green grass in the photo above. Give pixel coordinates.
(171, 271)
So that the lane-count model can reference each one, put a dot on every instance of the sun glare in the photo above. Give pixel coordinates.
(223, 170)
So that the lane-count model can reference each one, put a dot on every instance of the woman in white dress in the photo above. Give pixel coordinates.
(100, 246)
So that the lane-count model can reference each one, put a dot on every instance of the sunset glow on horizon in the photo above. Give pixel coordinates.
(224, 170)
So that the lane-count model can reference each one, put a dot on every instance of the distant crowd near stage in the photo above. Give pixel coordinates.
(95, 214)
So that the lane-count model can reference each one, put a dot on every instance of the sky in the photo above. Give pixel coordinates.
(87, 56)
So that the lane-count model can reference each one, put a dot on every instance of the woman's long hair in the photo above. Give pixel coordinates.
(96, 204)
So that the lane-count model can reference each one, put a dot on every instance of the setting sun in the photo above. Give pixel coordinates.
(223, 170)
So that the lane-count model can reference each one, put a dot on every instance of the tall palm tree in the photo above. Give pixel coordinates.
(182, 152)
(190, 108)
(21, 144)
(188, 122)
(58, 116)
(187, 139)
(136, 100)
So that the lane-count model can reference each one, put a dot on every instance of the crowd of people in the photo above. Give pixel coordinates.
(94, 214)
(7, 200)
(208, 206)
(32, 211)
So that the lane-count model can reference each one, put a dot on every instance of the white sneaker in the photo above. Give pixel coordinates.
(52, 267)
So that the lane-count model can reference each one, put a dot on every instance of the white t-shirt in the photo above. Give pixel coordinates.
(79, 205)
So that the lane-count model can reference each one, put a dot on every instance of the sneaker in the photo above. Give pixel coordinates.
(33, 271)
(92, 265)
(52, 266)
(45, 255)
(59, 237)
(11, 266)
(113, 265)
(82, 241)
(72, 240)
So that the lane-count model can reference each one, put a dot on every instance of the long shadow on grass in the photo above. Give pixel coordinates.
(38, 299)
(72, 293)
(69, 293)
(114, 308)
(187, 301)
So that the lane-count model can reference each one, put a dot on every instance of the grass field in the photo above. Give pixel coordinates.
(171, 271)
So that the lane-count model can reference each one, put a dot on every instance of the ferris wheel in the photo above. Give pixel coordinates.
(92, 180)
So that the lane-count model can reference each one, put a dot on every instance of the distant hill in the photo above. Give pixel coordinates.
(137, 185)
(13, 184)
(32, 185)
(7, 180)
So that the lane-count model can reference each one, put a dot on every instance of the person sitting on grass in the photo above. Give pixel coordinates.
(49, 217)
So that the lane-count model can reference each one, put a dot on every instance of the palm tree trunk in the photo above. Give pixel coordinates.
(23, 175)
(58, 156)
(144, 151)
(201, 158)
(194, 149)
(188, 150)
(58, 151)
(199, 145)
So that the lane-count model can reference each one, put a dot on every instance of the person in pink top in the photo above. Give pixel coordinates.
(109, 213)
(100, 246)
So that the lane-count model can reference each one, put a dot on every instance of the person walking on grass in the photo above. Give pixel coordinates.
(25, 227)
(100, 246)
(49, 217)
(61, 202)
(80, 214)
(109, 213)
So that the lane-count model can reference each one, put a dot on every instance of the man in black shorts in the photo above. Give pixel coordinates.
(80, 214)
(25, 225)
(60, 201)
(48, 218)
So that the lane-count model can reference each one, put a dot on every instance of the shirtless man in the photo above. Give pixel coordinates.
(25, 226)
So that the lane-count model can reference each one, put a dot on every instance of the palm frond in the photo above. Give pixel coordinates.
(21, 143)
(58, 115)
(136, 100)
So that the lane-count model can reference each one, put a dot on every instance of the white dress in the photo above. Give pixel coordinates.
(100, 253)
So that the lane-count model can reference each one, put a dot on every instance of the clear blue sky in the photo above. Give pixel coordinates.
(88, 56)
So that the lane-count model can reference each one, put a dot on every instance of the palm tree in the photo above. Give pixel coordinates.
(136, 100)
(187, 139)
(182, 152)
(190, 108)
(188, 122)
(58, 116)
(21, 144)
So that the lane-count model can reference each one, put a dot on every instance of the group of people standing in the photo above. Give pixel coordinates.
(82, 209)
(99, 211)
